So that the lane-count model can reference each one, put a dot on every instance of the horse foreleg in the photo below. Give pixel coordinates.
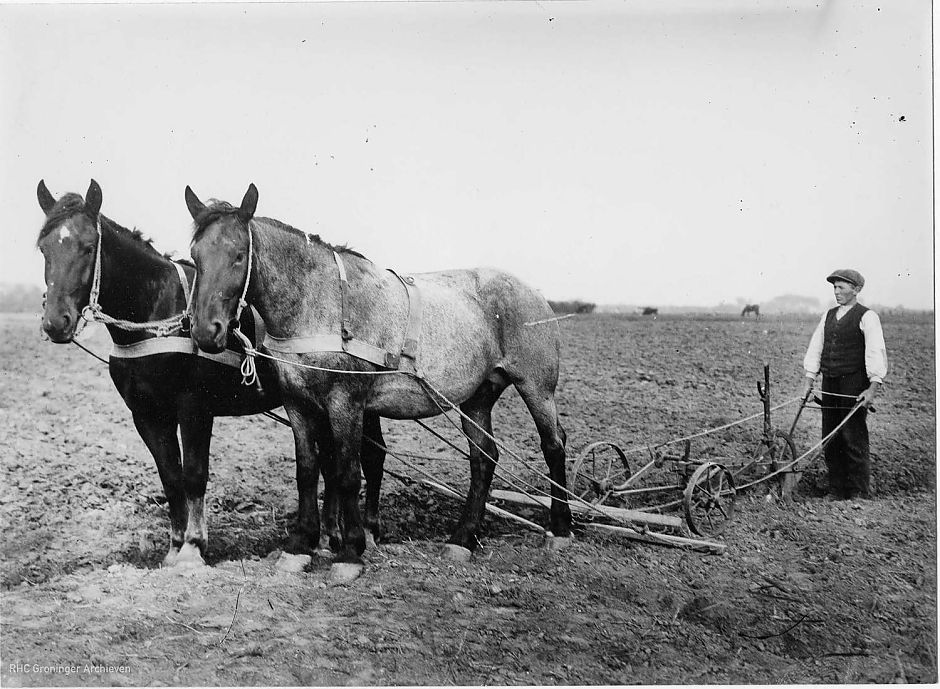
(305, 535)
(346, 426)
(196, 434)
(373, 467)
(159, 435)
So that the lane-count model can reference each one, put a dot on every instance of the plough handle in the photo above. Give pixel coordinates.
(806, 397)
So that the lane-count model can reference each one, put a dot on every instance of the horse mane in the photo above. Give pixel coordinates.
(216, 210)
(72, 203)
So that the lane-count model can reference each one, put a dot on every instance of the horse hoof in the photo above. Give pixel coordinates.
(171, 556)
(457, 553)
(555, 543)
(292, 563)
(189, 557)
(323, 547)
(345, 572)
(370, 541)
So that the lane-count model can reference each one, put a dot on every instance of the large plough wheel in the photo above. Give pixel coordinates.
(599, 471)
(709, 499)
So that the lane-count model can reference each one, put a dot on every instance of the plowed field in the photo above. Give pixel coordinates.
(808, 590)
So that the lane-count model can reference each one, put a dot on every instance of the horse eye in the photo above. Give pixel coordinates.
(239, 257)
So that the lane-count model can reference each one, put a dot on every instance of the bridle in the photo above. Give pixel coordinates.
(249, 373)
(93, 312)
(92, 308)
(242, 300)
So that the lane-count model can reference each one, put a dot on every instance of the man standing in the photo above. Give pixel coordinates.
(848, 347)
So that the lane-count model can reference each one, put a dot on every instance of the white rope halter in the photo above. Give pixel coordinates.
(248, 369)
(93, 312)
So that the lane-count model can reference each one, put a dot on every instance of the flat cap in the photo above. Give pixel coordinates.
(847, 275)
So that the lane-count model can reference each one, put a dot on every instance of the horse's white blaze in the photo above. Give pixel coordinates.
(64, 233)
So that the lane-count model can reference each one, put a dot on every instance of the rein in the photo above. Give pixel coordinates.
(94, 313)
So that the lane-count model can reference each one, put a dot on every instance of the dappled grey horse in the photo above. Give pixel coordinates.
(354, 341)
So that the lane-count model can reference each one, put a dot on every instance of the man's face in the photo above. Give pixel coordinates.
(845, 292)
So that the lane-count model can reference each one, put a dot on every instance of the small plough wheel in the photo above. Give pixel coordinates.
(782, 453)
(709, 499)
(598, 471)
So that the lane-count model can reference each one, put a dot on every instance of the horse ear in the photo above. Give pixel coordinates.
(93, 200)
(195, 206)
(249, 203)
(46, 200)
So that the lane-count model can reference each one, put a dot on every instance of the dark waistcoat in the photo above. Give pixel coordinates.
(843, 343)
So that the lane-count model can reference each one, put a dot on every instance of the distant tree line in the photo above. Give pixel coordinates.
(575, 306)
(20, 299)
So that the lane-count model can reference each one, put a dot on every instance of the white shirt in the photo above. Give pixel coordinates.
(876, 357)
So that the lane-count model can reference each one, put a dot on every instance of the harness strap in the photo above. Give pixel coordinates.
(172, 345)
(344, 342)
(331, 342)
(345, 330)
(409, 347)
(260, 328)
(184, 281)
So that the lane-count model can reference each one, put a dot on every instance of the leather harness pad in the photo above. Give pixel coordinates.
(173, 345)
(405, 359)
(182, 345)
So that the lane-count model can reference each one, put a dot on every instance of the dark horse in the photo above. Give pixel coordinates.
(474, 339)
(751, 308)
(164, 384)
(650, 311)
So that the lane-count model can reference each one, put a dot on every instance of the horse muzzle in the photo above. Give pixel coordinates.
(210, 336)
(60, 327)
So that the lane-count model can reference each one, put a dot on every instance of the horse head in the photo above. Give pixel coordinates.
(68, 241)
(221, 250)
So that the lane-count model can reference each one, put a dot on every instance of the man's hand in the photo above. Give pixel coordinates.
(807, 387)
(868, 395)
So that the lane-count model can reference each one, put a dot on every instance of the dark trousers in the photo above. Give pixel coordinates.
(847, 456)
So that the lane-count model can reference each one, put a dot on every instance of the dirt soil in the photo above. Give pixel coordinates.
(807, 591)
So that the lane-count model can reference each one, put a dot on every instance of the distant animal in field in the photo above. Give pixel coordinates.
(650, 311)
(751, 308)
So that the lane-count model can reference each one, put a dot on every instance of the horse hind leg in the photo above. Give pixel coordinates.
(373, 468)
(478, 427)
(544, 411)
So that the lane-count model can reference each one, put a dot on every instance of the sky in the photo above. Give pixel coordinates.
(641, 152)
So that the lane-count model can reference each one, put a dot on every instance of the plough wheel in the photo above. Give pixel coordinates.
(709, 499)
(598, 471)
(781, 453)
